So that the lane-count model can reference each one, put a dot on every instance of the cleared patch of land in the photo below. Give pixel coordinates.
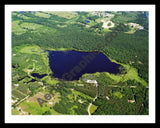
(93, 108)
(32, 106)
(63, 14)
(31, 50)
(107, 24)
(133, 27)
(16, 28)
(30, 25)
(37, 51)
(41, 14)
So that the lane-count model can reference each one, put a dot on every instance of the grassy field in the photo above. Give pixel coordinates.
(30, 25)
(32, 106)
(34, 51)
(118, 94)
(132, 74)
(35, 109)
(48, 80)
(20, 27)
(93, 108)
(63, 14)
(16, 28)
(42, 14)
(15, 111)
(31, 50)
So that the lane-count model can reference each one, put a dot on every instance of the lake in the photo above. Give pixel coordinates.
(147, 14)
(87, 21)
(38, 75)
(71, 65)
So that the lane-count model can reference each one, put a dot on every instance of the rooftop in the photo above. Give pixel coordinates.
(91, 81)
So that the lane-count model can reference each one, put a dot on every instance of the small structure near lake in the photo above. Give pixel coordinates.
(16, 85)
(93, 81)
(80, 101)
(131, 101)
(107, 98)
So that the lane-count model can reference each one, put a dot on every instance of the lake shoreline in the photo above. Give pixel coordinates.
(78, 63)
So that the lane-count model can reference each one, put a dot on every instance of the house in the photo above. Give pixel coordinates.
(131, 101)
(101, 14)
(94, 13)
(50, 103)
(92, 81)
(44, 87)
(140, 27)
(80, 84)
(16, 85)
(29, 91)
(80, 101)
(40, 83)
(107, 98)
(13, 101)
(72, 88)
(105, 14)
(134, 25)
(26, 113)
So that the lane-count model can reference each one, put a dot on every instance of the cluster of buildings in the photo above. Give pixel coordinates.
(105, 15)
(93, 82)
(134, 25)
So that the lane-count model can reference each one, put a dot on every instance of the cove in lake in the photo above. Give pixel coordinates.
(38, 75)
(71, 65)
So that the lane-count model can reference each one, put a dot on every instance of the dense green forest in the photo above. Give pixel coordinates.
(35, 32)
(119, 100)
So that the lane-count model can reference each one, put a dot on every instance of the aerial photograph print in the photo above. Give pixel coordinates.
(80, 62)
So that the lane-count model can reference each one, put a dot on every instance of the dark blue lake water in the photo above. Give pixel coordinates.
(87, 21)
(22, 12)
(147, 14)
(71, 65)
(38, 75)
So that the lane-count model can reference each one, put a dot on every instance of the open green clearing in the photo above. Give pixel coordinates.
(33, 32)
(93, 108)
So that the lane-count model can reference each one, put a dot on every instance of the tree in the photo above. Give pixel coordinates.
(109, 24)
(47, 113)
